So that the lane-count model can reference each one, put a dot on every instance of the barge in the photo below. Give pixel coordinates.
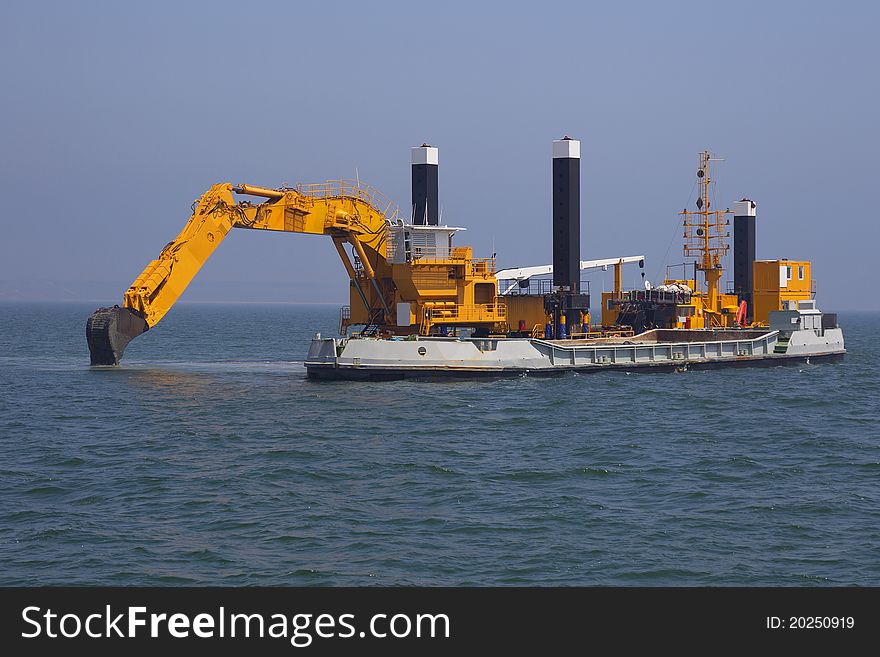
(767, 317)
(421, 306)
(796, 336)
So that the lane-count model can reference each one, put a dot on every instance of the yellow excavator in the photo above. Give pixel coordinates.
(404, 278)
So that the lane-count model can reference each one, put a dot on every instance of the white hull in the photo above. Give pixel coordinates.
(670, 349)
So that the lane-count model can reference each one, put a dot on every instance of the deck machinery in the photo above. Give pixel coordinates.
(425, 305)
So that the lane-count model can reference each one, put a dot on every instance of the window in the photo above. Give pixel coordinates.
(800, 272)
(484, 293)
(788, 272)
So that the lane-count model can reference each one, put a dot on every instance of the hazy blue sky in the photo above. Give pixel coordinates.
(116, 116)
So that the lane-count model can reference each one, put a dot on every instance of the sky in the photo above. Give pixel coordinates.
(116, 116)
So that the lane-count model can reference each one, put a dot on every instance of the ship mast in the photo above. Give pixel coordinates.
(705, 237)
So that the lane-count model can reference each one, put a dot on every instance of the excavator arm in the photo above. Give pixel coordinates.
(347, 213)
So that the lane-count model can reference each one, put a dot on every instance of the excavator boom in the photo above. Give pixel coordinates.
(343, 211)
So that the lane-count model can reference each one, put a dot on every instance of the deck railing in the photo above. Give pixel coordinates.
(444, 254)
(533, 287)
(352, 188)
(479, 312)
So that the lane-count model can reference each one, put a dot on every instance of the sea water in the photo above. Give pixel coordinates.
(208, 457)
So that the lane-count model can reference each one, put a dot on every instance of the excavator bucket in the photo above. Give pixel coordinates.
(108, 332)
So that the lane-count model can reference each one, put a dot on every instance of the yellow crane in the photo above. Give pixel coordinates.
(395, 288)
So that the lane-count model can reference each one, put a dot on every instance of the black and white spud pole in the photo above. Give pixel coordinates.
(424, 185)
(567, 213)
(566, 229)
(744, 252)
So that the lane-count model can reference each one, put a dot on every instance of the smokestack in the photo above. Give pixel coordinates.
(567, 213)
(744, 251)
(424, 185)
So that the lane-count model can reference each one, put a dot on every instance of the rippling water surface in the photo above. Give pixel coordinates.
(209, 458)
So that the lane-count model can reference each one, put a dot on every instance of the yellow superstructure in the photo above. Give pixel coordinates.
(777, 281)
(526, 312)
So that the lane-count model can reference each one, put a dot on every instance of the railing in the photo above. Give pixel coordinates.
(563, 353)
(444, 254)
(433, 254)
(352, 188)
(482, 266)
(480, 312)
(657, 296)
(533, 287)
